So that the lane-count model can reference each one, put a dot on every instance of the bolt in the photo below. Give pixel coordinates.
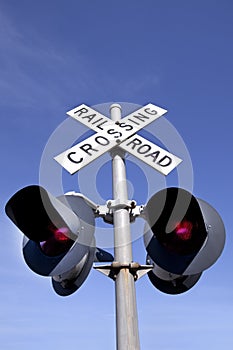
(133, 204)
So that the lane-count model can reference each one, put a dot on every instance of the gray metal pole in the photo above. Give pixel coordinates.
(126, 310)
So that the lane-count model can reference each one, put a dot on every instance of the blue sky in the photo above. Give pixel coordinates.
(56, 55)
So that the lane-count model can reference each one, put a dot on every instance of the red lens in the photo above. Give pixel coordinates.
(183, 230)
(58, 243)
(61, 234)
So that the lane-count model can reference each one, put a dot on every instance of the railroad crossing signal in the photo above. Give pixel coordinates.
(183, 235)
(110, 134)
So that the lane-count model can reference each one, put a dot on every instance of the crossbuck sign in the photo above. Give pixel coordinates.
(123, 134)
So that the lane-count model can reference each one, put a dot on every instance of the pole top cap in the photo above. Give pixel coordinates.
(115, 105)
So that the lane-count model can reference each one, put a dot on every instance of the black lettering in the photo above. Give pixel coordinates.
(141, 117)
(102, 138)
(143, 149)
(98, 120)
(87, 148)
(135, 143)
(99, 126)
(154, 155)
(133, 121)
(149, 111)
(127, 127)
(112, 132)
(81, 111)
(72, 160)
(164, 159)
(89, 117)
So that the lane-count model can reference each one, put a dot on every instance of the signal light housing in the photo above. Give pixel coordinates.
(183, 236)
(170, 283)
(58, 235)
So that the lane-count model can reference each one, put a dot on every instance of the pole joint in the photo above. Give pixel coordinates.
(121, 204)
(134, 268)
(106, 211)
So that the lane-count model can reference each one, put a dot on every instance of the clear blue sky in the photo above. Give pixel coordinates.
(55, 55)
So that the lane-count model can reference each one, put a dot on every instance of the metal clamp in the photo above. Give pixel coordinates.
(134, 268)
(106, 211)
(121, 204)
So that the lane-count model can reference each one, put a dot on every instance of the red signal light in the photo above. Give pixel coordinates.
(58, 242)
(184, 239)
(183, 230)
(61, 234)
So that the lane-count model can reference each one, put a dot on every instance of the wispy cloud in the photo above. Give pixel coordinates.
(32, 69)
(36, 70)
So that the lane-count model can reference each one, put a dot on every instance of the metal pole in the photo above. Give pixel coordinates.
(127, 336)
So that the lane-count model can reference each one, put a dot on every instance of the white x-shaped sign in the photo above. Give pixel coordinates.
(110, 134)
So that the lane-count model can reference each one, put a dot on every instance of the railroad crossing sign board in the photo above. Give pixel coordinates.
(110, 134)
(151, 154)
